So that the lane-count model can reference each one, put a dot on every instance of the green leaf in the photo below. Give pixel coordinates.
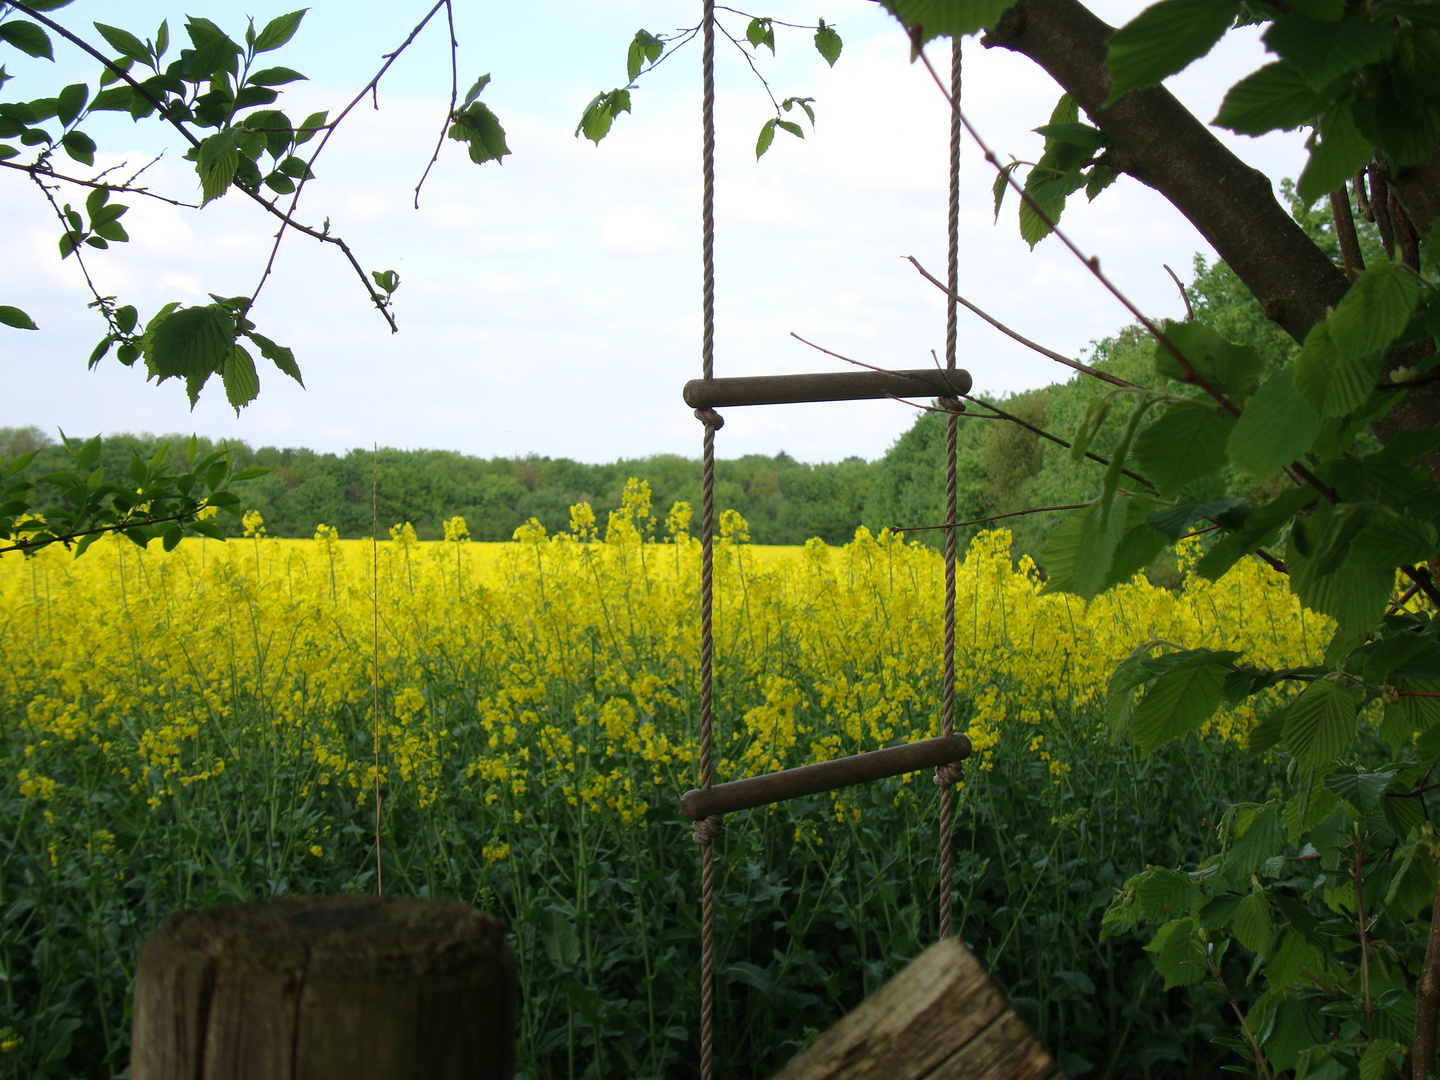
(1373, 1062)
(1340, 362)
(1324, 50)
(1163, 39)
(1412, 888)
(1162, 894)
(315, 122)
(279, 355)
(1362, 790)
(274, 76)
(767, 136)
(124, 42)
(1259, 840)
(1179, 956)
(1331, 384)
(946, 18)
(600, 114)
(1187, 441)
(13, 316)
(79, 146)
(645, 47)
(242, 384)
(1405, 130)
(759, 32)
(1230, 368)
(1320, 723)
(1254, 925)
(278, 31)
(1175, 704)
(1266, 733)
(1389, 539)
(190, 343)
(1354, 595)
(71, 102)
(480, 130)
(27, 37)
(1337, 152)
(828, 43)
(1276, 428)
(1175, 521)
(1277, 97)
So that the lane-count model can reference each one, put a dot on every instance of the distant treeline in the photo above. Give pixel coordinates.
(1002, 466)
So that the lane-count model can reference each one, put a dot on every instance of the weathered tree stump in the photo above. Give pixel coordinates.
(939, 1019)
(327, 988)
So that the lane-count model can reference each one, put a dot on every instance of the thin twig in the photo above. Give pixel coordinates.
(36, 171)
(751, 61)
(66, 538)
(1104, 376)
(1092, 262)
(372, 87)
(999, 413)
(868, 367)
(285, 219)
(773, 22)
(987, 520)
(454, 96)
(1189, 311)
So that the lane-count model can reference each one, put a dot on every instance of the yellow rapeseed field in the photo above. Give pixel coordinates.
(176, 665)
(216, 723)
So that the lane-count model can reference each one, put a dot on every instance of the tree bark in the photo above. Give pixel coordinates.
(326, 988)
(1159, 142)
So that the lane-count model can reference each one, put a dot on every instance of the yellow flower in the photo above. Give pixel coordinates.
(316, 850)
(496, 852)
(254, 523)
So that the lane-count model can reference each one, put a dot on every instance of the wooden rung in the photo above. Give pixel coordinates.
(824, 776)
(856, 385)
(941, 1018)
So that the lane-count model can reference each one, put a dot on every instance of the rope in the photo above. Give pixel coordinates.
(706, 831)
(946, 776)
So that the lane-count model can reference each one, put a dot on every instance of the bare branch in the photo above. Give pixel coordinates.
(986, 520)
(1092, 262)
(38, 170)
(271, 208)
(454, 96)
(1189, 311)
(380, 302)
(1104, 376)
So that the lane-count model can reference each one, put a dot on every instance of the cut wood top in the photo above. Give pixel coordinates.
(941, 1018)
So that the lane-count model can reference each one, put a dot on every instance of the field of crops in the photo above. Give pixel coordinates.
(211, 725)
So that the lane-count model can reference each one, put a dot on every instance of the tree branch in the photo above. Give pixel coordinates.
(986, 520)
(1156, 140)
(1104, 376)
(285, 219)
(37, 170)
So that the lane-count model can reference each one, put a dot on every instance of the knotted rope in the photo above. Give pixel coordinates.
(707, 830)
(946, 776)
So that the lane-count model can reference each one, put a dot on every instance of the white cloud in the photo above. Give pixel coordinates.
(553, 303)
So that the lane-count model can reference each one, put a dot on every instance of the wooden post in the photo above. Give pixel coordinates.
(327, 988)
(939, 1019)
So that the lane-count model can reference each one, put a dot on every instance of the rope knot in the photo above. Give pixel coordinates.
(951, 404)
(947, 775)
(707, 829)
(710, 418)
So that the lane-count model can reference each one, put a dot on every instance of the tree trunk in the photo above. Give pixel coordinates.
(326, 988)
(1158, 141)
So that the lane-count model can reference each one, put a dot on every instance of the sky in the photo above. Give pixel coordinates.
(551, 305)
